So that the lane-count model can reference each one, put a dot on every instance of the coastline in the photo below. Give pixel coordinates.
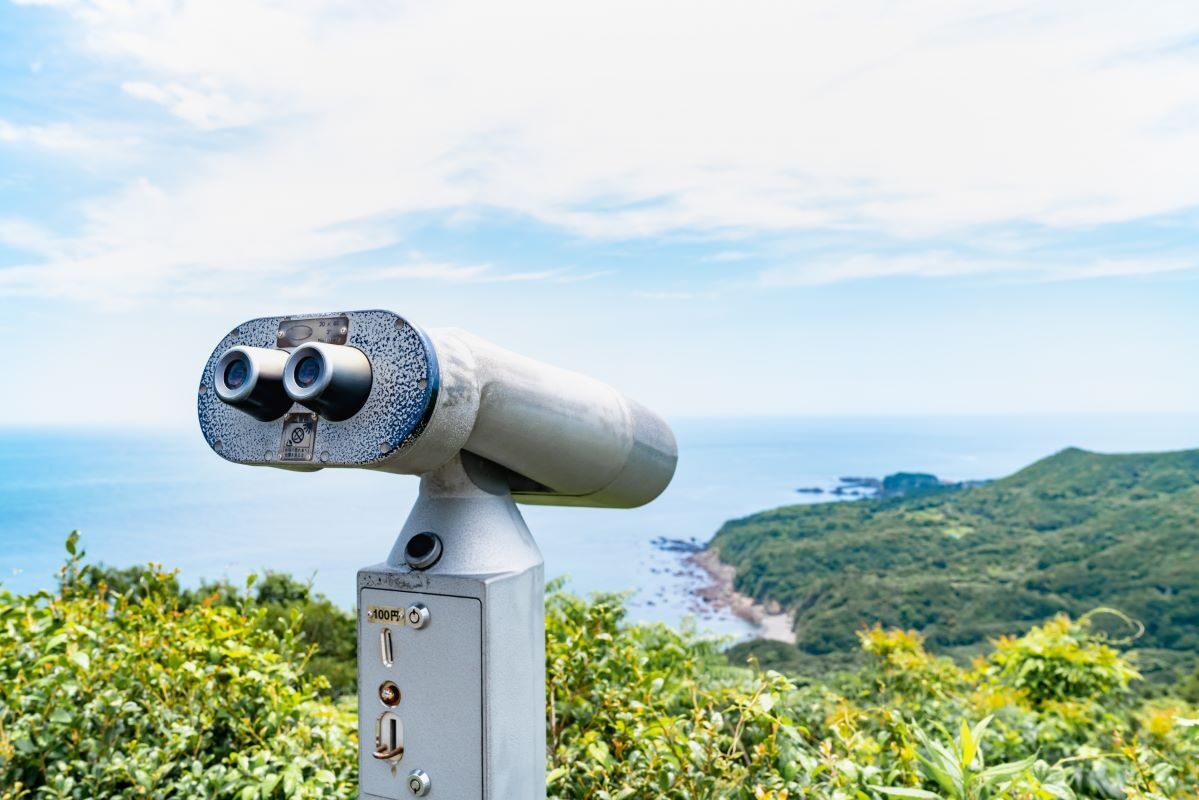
(771, 620)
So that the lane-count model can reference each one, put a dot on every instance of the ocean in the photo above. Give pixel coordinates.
(140, 496)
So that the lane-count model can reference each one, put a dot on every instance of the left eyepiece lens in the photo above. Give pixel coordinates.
(251, 380)
(236, 373)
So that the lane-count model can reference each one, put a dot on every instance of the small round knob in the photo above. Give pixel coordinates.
(419, 782)
(389, 694)
(418, 615)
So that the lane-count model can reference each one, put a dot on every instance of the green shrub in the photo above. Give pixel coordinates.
(1060, 661)
(329, 629)
(106, 696)
(156, 692)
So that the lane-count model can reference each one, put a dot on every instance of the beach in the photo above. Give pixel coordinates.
(771, 621)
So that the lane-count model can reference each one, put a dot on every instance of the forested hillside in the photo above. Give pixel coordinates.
(1072, 532)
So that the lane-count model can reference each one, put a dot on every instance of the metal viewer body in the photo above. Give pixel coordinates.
(451, 626)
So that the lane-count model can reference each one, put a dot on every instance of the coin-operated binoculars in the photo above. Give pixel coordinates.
(451, 627)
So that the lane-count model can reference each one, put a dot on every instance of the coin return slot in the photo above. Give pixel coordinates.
(389, 737)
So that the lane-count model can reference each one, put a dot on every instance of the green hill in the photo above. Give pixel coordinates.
(1072, 532)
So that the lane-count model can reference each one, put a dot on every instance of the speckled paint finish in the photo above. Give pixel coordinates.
(403, 394)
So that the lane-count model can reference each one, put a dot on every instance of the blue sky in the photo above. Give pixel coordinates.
(722, 208)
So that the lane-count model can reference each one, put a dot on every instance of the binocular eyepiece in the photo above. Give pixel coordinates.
(331, 379)
(370, 390)
(251, 379)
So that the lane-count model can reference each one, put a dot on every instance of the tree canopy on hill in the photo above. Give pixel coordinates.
(1069, 533)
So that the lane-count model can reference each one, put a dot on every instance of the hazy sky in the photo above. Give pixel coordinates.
(722, 208)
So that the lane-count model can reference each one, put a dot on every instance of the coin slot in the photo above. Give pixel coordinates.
(386, 647)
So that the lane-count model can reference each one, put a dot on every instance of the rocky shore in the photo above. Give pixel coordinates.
(772, 621)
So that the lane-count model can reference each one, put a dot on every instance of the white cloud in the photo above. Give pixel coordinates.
(728, 255)
(472, 273)
(664, 295)
(207, 110)
(27, 237)
(55, 138)
(632, 118)
(451, 273)
(1120, 267)
(947, 265)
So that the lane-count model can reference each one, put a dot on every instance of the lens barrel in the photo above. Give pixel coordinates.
(251, 379)
(333, 380)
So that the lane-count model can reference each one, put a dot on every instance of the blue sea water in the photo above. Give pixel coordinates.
(139, 497)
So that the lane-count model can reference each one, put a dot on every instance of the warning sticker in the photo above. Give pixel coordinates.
(299, 437)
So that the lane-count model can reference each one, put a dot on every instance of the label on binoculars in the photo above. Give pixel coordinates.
(392, 616)
(299, 437)
(295, 332)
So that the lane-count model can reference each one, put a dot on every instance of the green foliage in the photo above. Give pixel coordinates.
(902, 670)
(1058, 662)
(173, 694)
(647, 712)
(770, 654)
(107, 695)
(1188, 688)
(329, 629)
(1069, 533)
(960, 771)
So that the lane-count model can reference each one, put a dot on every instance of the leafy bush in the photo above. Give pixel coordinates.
(155, 692)
(648, 712)
(960, 770)
(1060, 661)
(105, 696)
(329, 629)
(902, 669)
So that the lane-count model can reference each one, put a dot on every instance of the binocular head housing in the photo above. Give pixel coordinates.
(368, 389)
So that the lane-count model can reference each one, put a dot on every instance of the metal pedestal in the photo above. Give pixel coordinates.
(451, 654)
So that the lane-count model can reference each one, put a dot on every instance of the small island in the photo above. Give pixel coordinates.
(899, 484)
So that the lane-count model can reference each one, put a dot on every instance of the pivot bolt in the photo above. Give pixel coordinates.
(418, 782)
(418, 615)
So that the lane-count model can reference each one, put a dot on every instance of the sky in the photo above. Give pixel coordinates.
(737, 208)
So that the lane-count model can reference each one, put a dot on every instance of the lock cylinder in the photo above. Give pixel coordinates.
(251, 379)
(331, 379)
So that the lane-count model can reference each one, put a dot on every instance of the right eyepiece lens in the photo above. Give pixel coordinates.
(307, 371)
(334, 380)
(236, 373)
